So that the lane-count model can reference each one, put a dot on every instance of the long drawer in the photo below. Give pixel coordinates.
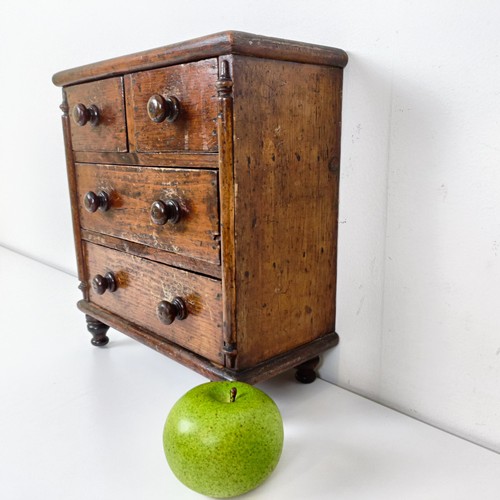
(166, 208)
(142, 292)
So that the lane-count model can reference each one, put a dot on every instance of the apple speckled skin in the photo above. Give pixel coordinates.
(221, 448)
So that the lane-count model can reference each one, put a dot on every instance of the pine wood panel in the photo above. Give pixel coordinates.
(194, 129)
(132, 190)
(110, 133)
(286, 161)
(142, 284)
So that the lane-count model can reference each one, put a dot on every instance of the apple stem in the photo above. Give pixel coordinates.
(232, 396)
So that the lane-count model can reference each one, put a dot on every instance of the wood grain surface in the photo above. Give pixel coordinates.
(223, 43)
(195, 128)
(132, 190)
(142, 284)
(286, 166)
(110, 133)
(251, 164)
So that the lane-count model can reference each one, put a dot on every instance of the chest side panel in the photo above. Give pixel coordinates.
(286, 171)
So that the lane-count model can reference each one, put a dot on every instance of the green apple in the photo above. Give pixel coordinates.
(223, 439)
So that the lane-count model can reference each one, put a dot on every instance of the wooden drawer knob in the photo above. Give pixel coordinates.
(165, 211)
(100, 284)
(82, 115)
(94, 201)
(167, 312)
(161, 108)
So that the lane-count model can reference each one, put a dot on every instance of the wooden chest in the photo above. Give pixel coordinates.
(204, 189)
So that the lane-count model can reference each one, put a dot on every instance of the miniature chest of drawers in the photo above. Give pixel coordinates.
(204, 189)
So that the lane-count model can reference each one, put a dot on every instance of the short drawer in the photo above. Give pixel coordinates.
(173, 108)
(144, 291)
(175, 210)
(97, 114)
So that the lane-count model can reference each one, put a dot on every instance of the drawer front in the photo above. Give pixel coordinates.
(194, 126)
(108, 131)
(142, 284)
(137, 195)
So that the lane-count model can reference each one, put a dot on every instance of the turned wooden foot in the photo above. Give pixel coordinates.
(98, 330)
(306, 372)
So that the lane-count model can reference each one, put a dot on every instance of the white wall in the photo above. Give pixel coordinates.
(419, 247)
(419, 314)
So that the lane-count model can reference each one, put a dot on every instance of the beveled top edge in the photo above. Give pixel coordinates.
(223, 43)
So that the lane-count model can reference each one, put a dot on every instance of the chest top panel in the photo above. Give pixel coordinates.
(218, 44)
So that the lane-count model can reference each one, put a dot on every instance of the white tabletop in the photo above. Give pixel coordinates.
(80, 422)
